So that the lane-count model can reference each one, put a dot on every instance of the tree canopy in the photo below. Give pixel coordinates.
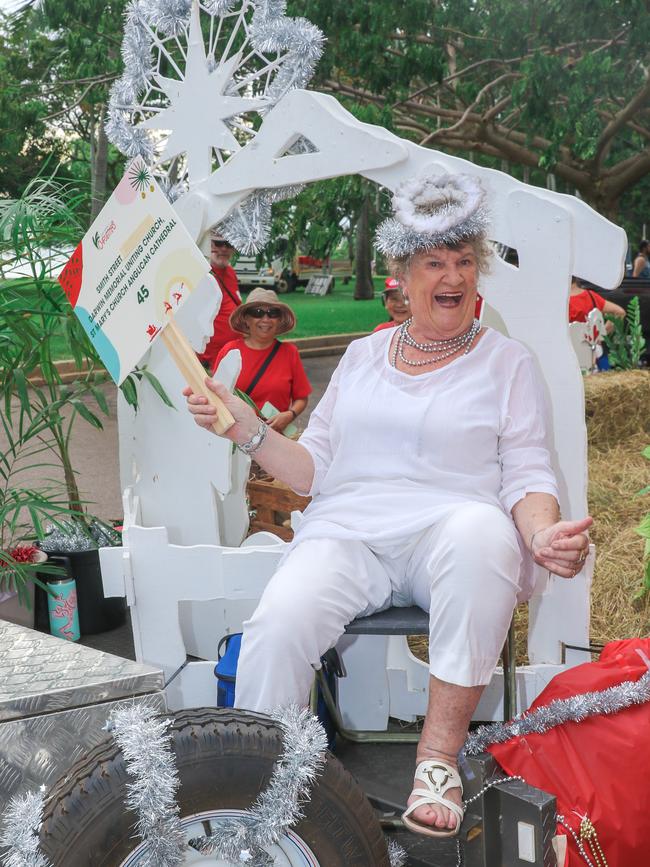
(562, 86)
(553, 88)
(57, 63)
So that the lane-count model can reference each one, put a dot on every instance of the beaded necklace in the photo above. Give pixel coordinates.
(439, 349)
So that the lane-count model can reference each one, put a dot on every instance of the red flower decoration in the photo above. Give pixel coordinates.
(22, 554)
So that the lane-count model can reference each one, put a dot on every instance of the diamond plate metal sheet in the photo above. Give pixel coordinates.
(38, 750)
(43, 674)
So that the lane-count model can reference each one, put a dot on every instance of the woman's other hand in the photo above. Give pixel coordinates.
(562, 548)
(281, 420)
(205, 415)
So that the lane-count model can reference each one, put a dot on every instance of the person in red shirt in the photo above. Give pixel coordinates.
(283, 381)
(583, 300)
(221, 253)
(395, 303)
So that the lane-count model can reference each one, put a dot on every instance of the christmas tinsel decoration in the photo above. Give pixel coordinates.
(145, 742)
(279, 807)
(21, 821)
(431, 211)
(77, 536)
(298, 44)
(573, 709)
(397, 855)
(248, 227)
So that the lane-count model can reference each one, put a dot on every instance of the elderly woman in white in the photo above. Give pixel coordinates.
(431, 482)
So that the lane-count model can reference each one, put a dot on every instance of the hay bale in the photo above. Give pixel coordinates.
(617, 406)
(615, 476)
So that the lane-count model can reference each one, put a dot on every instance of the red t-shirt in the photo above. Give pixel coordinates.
(283, 381)
(383, 325)
(222, 333)
(582, 304)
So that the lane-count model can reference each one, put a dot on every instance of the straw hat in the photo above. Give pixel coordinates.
(259, 296)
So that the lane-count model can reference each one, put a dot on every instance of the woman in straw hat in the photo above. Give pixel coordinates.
(271, 372)
(431, 484)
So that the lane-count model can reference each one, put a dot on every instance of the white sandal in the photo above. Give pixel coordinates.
(438, 778)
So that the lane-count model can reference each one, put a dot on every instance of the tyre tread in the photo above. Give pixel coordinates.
(96, 781)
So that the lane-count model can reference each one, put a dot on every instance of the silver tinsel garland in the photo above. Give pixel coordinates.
(145, 742)
(397, 855)
(299, 45)
(75, 536)
(573, 709)
(21, 821)
(396, 240)
(248, 227)
(279, 807)
(167, 16)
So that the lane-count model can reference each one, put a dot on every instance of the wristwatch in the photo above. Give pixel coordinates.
(253, 444)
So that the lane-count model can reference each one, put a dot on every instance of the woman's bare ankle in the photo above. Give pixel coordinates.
(426, 753)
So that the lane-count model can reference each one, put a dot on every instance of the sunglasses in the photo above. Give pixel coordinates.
(260, 312)
(220, 244)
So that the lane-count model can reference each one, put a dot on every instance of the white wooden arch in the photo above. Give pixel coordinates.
(199, 497)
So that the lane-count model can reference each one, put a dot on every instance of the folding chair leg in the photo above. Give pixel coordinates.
(509, 674)
(363, 737)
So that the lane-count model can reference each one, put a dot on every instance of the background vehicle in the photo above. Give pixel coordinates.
(298, 273)
(250, 275)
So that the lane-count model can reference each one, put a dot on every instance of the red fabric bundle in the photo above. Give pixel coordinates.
(599, 767)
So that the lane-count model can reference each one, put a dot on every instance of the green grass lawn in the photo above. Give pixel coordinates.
(336, 313)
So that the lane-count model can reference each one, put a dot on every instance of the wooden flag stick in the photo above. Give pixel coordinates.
(193, 372)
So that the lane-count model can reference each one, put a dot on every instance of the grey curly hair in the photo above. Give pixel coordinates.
(398, 267)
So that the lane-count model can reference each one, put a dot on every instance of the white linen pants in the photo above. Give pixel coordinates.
(464, 570)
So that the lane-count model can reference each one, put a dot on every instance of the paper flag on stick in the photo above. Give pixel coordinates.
(135, 265)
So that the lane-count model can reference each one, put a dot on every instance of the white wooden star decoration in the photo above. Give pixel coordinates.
(203, 88)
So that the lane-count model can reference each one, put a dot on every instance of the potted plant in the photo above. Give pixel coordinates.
(626, 343)
(38, 410)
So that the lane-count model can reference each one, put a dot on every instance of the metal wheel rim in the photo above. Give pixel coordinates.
(291, 850)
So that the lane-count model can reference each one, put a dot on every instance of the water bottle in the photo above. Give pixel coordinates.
(62, 607)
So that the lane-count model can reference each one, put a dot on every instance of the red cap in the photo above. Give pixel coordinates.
(391, 283)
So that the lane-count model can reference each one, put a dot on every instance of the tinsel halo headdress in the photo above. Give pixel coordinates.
(433, 211)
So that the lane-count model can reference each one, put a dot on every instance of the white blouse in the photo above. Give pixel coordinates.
(392, 452)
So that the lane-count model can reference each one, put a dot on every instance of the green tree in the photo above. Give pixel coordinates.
(330, 213)
(58, 61)
(26, 140)
(558, 86)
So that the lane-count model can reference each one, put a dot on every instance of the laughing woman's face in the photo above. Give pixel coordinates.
(441, 288)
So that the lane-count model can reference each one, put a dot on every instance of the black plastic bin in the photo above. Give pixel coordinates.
(96, 614)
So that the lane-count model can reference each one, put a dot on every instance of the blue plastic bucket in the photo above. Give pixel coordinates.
(226, 673)
(226, 669)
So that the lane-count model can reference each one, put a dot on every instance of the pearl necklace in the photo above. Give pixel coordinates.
(440, 349)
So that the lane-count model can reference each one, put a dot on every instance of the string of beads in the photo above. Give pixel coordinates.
(438, 349)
